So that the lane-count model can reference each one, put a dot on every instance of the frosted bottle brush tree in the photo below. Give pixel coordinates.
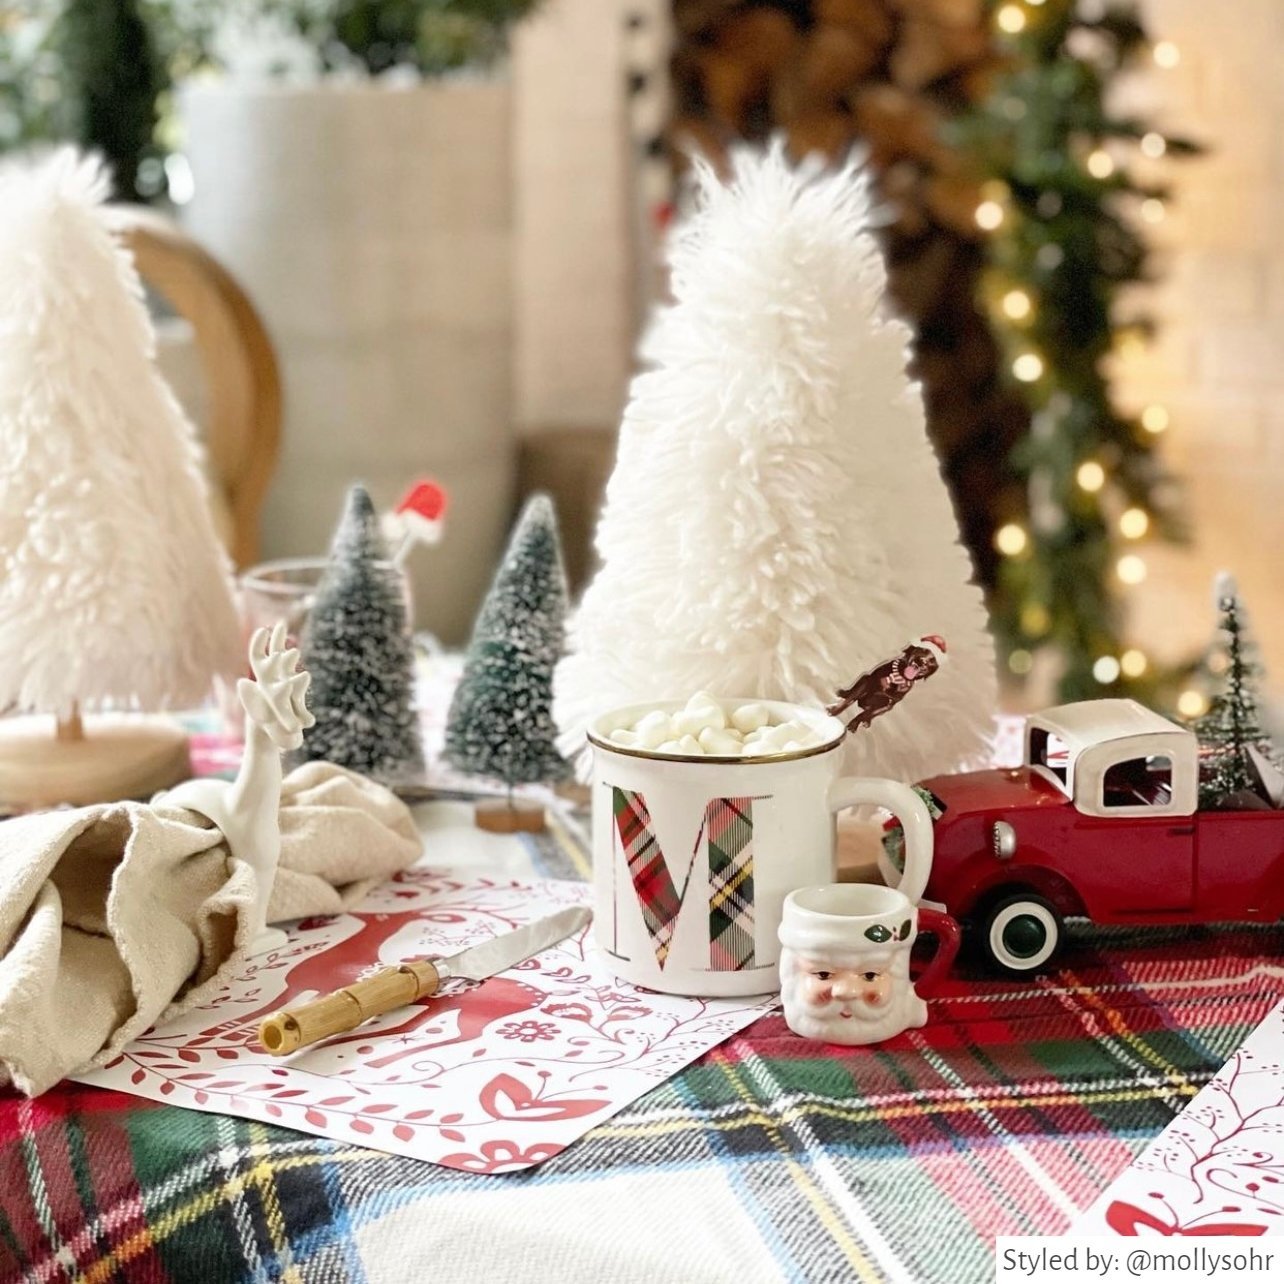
(358, 648)
(500, 722)
(1231, 732)
(777, 522)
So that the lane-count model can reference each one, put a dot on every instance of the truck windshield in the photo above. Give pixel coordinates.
(1050, 752)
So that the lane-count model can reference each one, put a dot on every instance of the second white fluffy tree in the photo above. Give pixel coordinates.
(115, 591)
(777, 521)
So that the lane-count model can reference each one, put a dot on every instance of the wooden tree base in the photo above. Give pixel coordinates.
(120, 756)
(497, 817)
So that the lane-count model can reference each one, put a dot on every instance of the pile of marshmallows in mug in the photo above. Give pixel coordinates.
(705, 729)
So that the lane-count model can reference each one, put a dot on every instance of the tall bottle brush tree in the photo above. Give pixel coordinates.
(1063, 193)
(358, 647)
(500, 722)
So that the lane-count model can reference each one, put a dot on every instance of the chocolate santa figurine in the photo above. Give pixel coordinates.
(885, 685)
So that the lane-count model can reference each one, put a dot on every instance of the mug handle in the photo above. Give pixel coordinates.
(908, 808)
(948, 938)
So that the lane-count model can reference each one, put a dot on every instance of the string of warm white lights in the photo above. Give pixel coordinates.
(1108, 499)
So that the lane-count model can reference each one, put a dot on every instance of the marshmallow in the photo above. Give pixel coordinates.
(690, 745)
(624, 737)
(726, 744)
(704, 700)
(691, 722)
(751, 717)
(654, 729)
(790, 731)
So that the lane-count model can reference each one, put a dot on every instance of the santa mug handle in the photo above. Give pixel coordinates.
(949, 937)
(908, 808)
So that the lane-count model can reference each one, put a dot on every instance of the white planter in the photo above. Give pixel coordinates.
(372, 226)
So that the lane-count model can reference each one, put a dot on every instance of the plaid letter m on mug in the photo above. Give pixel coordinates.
(728, 828)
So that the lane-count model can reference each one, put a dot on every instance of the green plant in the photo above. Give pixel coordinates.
(1064, 195)
(430, 36)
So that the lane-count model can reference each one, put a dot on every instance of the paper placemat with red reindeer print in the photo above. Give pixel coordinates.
(494, 1076)
(1218, 1168)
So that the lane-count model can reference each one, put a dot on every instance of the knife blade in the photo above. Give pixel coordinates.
(393, 987)
(502, 952)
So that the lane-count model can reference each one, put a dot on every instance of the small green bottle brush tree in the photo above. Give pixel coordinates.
(1064, 195)
(358, 647)
(1231, 731)
(501, 723)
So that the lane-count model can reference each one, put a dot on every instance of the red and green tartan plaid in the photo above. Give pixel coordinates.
(1008, 1112)
(729, 824)
(656, 892)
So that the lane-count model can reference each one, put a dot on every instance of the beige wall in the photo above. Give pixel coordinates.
(1218, 364)
(573, 268)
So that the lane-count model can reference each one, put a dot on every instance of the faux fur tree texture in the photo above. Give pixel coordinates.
(777, 521)
(113, 587)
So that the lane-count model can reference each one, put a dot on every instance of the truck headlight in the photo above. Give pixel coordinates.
(1004, 840)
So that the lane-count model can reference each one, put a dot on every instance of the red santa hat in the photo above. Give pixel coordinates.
(935, 644)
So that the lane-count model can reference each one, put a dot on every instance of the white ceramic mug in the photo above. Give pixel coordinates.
(845, 961)
(693, 857)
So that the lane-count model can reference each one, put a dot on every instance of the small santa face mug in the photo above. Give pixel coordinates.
(845, 961)
(693, 856)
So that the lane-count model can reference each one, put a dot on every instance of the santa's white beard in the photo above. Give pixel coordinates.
(864, 1024)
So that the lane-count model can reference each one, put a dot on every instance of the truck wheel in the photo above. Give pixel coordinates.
(1021, 933)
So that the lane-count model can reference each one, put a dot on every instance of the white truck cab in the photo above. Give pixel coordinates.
(1115, 758)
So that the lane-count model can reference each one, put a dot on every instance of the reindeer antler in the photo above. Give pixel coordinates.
(276, 699)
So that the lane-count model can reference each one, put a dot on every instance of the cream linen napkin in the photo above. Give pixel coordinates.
(118, 916)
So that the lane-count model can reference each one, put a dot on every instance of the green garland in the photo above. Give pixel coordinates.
(1062, 201)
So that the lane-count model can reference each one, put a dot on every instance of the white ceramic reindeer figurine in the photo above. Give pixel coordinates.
(247, 809)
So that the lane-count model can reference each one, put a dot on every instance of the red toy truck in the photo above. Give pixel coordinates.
(1102, 821)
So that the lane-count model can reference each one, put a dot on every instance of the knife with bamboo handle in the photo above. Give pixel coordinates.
(393, 987)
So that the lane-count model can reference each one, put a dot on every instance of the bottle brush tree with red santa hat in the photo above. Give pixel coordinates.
(777, 521)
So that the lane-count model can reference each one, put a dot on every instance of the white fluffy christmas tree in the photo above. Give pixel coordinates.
(114, 591)
(777, 521)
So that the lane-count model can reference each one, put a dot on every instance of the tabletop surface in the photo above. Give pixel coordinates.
(770, 1158)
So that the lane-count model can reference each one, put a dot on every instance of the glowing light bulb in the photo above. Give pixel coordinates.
(1011, 539)
(1131, 569)
(1010, 18)
(1101, 164)
(1192, 704)
(1153, 145)
(1133, 523)
(1166, 55)
(1091, 476)
(1154, 419)
(1035, 619)
(1130, 343)
(1017, 305)
(1028, 367)
(1133, 663)
(1021, 662)
(1152, 210)
(1106, 670)
(989, 215)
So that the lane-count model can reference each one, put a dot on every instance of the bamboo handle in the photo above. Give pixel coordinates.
(393, 987)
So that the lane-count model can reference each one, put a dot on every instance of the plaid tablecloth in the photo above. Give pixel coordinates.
(770, 1159)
